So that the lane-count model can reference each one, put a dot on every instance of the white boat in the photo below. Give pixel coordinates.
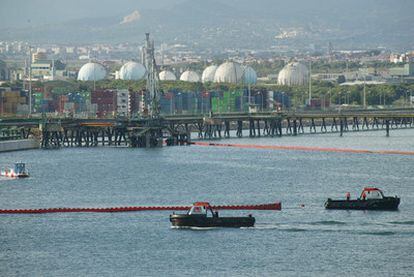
(18, 171)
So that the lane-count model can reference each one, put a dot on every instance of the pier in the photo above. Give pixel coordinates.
(172, 130)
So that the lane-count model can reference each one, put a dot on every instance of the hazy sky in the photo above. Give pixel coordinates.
(18, 13)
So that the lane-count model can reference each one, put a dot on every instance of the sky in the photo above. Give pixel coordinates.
(21, 13)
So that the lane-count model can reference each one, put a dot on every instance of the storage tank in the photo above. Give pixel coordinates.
(229, 72)
(208, 74)
(249, 76)
(167, 75)
(92, 71)
(293, 74)
(190, 76)
(132, 71)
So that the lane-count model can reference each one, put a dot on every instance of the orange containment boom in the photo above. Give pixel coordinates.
(271, 207)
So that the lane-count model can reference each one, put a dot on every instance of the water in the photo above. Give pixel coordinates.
(297, 241)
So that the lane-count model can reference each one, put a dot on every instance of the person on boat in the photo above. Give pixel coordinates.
(348, 196)
(364, 196)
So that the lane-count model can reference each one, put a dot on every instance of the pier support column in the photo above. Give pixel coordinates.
(252, 130)
(288, 127)
(323, 126)
(279, 127)
(295, 128)
(227, 129)
(300, 128)
(312, 128)
(239, 132)
(387, 127)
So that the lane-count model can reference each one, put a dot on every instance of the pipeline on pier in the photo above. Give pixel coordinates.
(277, 206)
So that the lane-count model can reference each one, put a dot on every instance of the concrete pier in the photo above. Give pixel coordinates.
(22, 144)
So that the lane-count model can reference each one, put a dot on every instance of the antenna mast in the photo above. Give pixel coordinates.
(153, 99)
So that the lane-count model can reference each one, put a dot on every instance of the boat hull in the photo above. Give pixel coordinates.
(184, 220)
(385, 204)
(13, 175)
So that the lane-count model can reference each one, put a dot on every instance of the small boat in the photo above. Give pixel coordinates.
(201, 214)
(370, 199)
(19, 171)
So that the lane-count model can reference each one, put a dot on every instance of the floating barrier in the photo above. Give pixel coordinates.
(272, 206)
(306, 148)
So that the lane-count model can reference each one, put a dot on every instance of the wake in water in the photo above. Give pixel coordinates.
(307, 148)
(410, 222)
(332, 226)
(328, 222)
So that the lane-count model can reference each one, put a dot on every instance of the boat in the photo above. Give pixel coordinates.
(18, 171)
(370, 199)
(201, 214)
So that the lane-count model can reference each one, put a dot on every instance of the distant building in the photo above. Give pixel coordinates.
(123, 103)
(42, 68)
(402, 58)
(406, 71)
(4, 71)
(39, 56)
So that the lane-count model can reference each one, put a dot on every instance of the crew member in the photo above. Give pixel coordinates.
(364, 196)
(348, 196)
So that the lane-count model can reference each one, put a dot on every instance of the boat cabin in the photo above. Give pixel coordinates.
(200, 208)
(20, 168)
(372, 193)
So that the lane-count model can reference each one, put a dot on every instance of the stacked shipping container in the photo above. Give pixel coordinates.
(105, 101)
(12, 102)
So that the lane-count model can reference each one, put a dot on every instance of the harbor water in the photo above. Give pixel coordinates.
(303, 239)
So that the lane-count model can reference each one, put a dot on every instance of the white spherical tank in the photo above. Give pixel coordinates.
(293, 74)
(167, 76)
(132, 71)
(249, 76)
(229, 72)
(92, 72)
(208, 74)
(190, 76)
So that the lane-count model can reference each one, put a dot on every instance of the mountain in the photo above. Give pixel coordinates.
(218, 24)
